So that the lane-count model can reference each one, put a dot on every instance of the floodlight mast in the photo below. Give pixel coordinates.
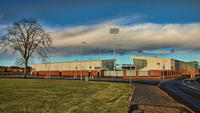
(81, 52)
(114, 31)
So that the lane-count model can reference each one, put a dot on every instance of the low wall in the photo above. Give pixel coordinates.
(126, 74)
(157, 74)
(68, 73)
(11, 73)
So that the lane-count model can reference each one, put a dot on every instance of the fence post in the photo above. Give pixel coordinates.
(161, 75)
(124, 74)
(149, 74)
(137, 74)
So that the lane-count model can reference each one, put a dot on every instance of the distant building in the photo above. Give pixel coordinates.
(149, 63)
(128, 67)
(73, 68)
(3, 69)
(13, 70)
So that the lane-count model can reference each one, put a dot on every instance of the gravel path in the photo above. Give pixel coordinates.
(150, 99)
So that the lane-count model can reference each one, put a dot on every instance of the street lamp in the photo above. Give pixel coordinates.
(114, 31)
(81, 52)
(49, 64)
(48, 56)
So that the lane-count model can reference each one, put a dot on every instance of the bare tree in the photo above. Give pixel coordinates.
(27, 38)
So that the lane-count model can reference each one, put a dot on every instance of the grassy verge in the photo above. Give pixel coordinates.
(40, 95)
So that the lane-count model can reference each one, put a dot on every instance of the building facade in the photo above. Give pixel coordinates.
(149, 63)
(78, 68)
(13, 70)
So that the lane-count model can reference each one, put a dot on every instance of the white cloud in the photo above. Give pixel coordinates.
(195, 56)
(147, 36)
(2, 29)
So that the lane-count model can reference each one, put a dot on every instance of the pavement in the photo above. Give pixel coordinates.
(150, 99)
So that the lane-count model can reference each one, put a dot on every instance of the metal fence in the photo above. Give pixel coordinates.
(133, 73)
(113, 73)
(130, 73)
(143, 73)
(157, 74)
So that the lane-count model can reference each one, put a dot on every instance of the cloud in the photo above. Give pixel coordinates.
(195, 56)
(144, 39)
(186, 51)
(2, 28)
(134, 37)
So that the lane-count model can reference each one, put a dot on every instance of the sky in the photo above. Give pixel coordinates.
(150, 28)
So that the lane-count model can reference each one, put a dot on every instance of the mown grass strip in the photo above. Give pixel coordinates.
(61, 96)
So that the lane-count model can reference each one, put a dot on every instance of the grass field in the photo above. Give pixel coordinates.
(62, 96)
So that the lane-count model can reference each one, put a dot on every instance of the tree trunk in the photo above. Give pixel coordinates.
(25, 69)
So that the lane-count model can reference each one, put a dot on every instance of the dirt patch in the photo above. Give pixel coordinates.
(114, 99)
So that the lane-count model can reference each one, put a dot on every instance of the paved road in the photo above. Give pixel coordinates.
(174, 90)
(150, 99)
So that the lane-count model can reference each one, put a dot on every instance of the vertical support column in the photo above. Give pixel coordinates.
(149, 74)
(124, 74)
(137, 74)
(167, 73)
(102, 73)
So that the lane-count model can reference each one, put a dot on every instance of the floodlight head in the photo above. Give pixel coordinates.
(172, 51)
(114, 30)
(83, 43)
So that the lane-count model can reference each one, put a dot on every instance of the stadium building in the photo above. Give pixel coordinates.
(78, 68)
(149, 63)
(160, 68)
(140, 68)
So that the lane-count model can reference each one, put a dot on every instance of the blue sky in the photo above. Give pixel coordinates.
(155, 27)
(79, 12)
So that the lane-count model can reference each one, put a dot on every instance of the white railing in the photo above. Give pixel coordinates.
(130, 73)
(143, 73)
(113, 73)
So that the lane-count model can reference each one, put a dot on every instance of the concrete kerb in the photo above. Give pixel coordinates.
(130, 106)
(188, 90)
(161, 82)
(183, 82)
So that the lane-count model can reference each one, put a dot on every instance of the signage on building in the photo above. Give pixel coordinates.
(163, 67)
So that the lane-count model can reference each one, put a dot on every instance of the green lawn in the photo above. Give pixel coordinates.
(63, 96)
